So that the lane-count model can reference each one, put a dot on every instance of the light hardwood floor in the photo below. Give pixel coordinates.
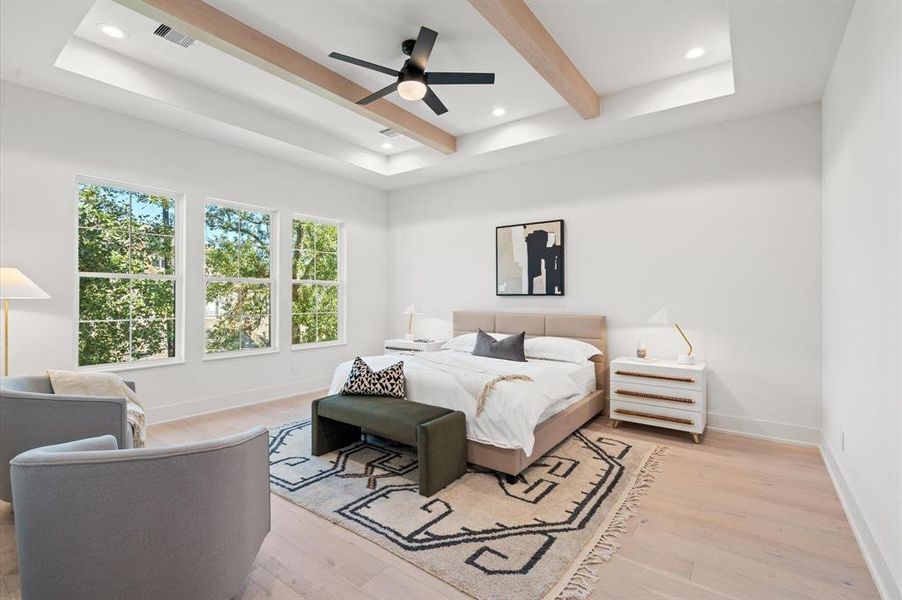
(732, 517)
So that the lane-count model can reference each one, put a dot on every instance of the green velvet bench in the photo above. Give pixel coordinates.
(439, 434)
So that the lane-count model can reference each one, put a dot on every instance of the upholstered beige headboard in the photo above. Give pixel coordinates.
(591, 329)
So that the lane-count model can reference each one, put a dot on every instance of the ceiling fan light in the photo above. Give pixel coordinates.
(412, 90)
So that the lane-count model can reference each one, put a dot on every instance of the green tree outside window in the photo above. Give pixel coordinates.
(315, 290)
(127, 275)
(238, 286)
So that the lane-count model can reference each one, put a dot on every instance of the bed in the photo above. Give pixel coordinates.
(520, 421)
(591, 329)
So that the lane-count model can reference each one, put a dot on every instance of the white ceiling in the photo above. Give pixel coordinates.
(620, 44)
(373, 31)
(208, 67)
(761, 55)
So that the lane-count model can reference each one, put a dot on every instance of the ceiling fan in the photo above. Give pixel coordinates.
(413, 81)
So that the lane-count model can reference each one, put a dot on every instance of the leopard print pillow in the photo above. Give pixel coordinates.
(363, 381)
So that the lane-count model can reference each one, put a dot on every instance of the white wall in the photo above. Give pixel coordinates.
(45, 141)
(719, 223)
(861, 283)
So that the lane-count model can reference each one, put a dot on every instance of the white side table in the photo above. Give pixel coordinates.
(660, 392)
(410, 347)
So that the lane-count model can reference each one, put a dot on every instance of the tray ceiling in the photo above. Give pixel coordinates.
(759, 56)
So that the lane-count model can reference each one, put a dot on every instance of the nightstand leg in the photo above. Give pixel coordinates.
(615, 424)
(695, 438)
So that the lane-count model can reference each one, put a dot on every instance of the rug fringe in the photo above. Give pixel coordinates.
(580, 584)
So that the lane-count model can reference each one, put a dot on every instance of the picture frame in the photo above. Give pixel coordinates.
(529, 259)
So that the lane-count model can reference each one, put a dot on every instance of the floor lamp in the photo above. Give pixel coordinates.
(14, 285)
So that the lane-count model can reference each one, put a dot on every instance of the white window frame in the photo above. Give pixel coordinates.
(177, 276)
(341, 283)
(272, 281)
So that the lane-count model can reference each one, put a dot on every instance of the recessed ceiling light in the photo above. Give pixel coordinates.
(694, 53)
(387, 146)
(112, 31)
(499, 111)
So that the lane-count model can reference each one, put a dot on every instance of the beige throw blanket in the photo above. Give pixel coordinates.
(490, 387)
(71, 383)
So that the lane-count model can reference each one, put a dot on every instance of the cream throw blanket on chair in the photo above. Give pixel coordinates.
(71, 383)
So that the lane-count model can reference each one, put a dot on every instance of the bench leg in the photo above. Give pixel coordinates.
(442, 451)
(328, 435)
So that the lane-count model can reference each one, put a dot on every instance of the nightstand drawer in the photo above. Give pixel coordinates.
(649, 373)
(671, 418)
(655, 395)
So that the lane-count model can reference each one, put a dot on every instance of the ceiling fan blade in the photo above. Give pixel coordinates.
(364, 64)
(434, 103)
(423, 48)
(376, 95)
(459, 78)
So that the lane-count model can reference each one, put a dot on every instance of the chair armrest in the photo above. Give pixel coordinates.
(104, 449)
(94, 444)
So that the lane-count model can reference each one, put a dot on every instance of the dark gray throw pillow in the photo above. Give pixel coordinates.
(509, 348)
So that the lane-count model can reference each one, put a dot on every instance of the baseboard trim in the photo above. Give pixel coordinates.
(212, 404)
(883, 578)
(765, 430)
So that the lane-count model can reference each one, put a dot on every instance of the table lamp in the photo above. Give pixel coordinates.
(410, 311)
(663, 317)
(14, 285)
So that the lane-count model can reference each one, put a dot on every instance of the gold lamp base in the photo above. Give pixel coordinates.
(685, 359)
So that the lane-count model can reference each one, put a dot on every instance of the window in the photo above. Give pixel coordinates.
(317, 290)
(239, 285)
(127, 275)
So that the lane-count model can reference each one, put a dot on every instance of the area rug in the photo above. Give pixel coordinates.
(541, 537)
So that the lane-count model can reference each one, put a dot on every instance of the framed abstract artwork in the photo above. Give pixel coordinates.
(529, 259)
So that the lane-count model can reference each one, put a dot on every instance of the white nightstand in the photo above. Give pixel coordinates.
(660, 392)
(409, 347)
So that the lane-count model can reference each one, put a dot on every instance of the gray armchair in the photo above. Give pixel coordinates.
(31, 415)
(97, 523)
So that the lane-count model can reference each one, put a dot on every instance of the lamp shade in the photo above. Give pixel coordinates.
(662, 317)
(411, 310)
(14, 285)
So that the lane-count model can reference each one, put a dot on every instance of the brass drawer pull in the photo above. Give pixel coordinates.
(650, 376)
(655, 396)
(646, 415)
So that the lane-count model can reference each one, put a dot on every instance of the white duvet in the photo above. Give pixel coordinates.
(512, 411)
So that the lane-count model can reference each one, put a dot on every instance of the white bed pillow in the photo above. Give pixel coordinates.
(556, 348)
(467, 341)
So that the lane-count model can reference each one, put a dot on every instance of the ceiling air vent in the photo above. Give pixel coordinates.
(167, 33)
(389, 132)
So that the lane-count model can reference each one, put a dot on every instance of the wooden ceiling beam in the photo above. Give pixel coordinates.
(216, 28)
(522, 29)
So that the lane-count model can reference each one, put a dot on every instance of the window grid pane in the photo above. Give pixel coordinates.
(125, 320)
(316, 288)
(315, 256)
(128, 314)
(238, 249)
